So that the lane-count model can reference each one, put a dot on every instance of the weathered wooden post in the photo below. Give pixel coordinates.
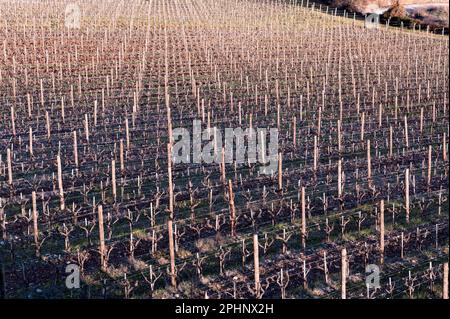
(294, 131)
(445, 282)
(344, 273)
(30, 137)
(280, 172)
(406, 132)
(60, 184)
(256, 261)
(75, 149)
(316, 154)
(380, 115)
(113, 180)
(325, 266)
(9, 163)
(13, 121)
(222, 166)
(47, 121)
(382, 232)
(362, 126)
(232, 209)
(34, 213)
(62, 109)
(407, 194)
(339, 135)
(86, 127)
(121, 157)
(429, 167)
(101, 236)
(127, 133)
(173, 277)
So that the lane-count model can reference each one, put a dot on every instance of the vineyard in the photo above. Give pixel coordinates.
(88, 181)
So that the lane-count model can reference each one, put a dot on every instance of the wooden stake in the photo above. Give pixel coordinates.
(86, 127)
(232, 209)
(256, 262)
(13, 121)
(429, 167)
(101, 235)
(223, 166)
(406, 132)
(316, 154)
(171, 217)
(280, 172)
(340, 179)
(113, 179)
(47, 121)
(362, 126)
(30, 137)
(339, 135)
(445, 282)
(294, 131)
(60, 183)
(62, 109)
(407, 194)
(10, 175)
(122, 162)
(127, 133)
(344, 273)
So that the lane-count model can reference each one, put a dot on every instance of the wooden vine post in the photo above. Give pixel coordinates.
(256, 261)
(280, 172)
(10, 172)
(429, 167)
(407, 195)
(344, 273)
(75, 149)
(232, 209)
(101, 237)
(316, 154)
(382, 232)
(113, 180)
(340, 179)
(445, 282)
(339, 135)
(303, 230)
(222, 166)
(30, 137)
(62, 205)
(121, 157)
(35, 221)
(171, 217)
